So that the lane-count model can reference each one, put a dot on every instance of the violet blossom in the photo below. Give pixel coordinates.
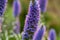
(32, 19)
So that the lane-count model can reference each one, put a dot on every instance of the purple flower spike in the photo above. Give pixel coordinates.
(2, 6)
(16, 8)
(43, 5)
(32, 19)
(52, 35)
(39, 33)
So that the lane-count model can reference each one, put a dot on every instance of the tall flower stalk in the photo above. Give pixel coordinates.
(43, 5)
(52, 35)
(32, 19)
(16, 13)
(2, 10)
(39, 33)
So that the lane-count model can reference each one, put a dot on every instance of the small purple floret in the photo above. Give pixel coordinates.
(52, 35)
(16, 8)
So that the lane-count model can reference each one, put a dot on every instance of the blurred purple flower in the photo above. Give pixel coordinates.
(2, 6)
(17, 26)
(16, 8)
(32, 19)
(39, 33)
(43, 5)
(52, 35)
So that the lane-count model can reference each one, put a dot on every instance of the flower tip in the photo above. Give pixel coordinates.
(52, 34)
(16, 8)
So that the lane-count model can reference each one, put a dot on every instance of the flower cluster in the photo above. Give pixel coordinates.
(32, 19)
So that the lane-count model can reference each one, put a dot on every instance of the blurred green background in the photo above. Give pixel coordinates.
(52, 17)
